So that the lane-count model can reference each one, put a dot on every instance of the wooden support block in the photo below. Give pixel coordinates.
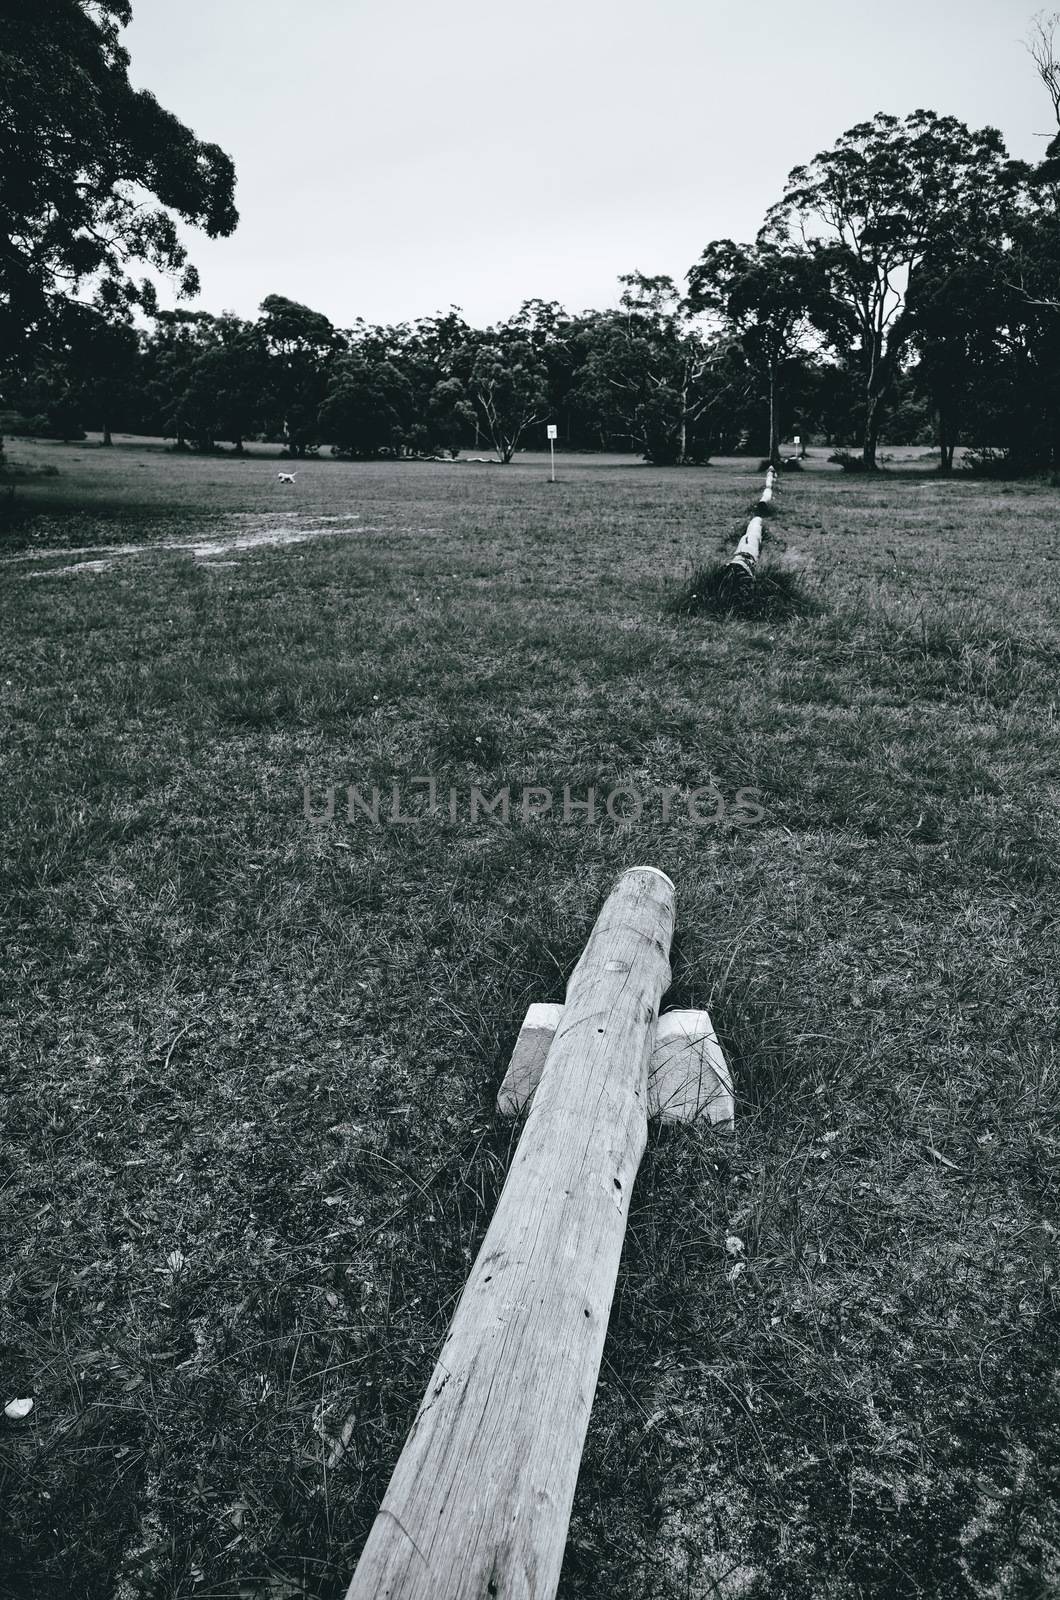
(688, 1076)
(528, 1058)
(480, 1499)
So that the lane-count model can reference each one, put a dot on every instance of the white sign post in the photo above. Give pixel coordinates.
(552, 432)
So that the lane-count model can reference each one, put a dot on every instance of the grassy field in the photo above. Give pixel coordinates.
(249, 1145)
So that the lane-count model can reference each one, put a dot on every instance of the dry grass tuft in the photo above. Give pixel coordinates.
(718, 590)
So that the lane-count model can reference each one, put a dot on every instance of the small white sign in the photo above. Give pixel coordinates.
(797, 439)
(553, 431)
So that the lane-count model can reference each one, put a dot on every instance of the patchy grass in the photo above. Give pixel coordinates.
(250, 1148)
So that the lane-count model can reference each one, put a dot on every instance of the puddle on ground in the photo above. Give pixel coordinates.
(78, 566)
(208, 549)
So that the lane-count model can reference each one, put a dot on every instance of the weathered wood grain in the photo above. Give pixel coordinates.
(480, 1499)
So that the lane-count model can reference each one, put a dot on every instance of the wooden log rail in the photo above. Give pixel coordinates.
(743, 564)
(745, 558)
(766, 497)
(480, 1499)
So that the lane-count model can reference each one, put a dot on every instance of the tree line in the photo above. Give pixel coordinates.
(639, 377)
(904, 286)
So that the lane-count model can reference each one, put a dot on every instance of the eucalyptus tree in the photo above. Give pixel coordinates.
(762, 295)
(102, 357)
(647, 379)
(172, 349)
(302, 346)
(225, 393)
(369, 409)
(870, 211)
(82, 156)
(505, 378)
(432, 357)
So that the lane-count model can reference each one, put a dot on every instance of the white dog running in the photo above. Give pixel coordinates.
(287, 477)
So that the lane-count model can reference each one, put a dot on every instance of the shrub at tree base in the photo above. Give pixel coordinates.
(986, 463)
(52, 425)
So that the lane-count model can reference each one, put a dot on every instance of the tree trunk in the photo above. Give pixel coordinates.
(107, 440)
(774, 423)
(875, 385)
(945, 445)
(872, 432)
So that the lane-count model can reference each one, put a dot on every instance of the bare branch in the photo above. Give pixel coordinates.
(1041, 47)
(1028, 300)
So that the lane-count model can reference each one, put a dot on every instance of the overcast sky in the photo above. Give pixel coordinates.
(396, 158)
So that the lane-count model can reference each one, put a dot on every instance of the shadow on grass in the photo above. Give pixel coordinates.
(68, 519)
(719, 591)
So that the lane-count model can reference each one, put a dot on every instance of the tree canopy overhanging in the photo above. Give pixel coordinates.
(93, 174)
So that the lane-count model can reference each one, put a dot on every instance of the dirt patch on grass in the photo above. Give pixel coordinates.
(206, 549)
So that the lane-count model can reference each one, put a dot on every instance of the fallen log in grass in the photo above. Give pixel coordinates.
(765, 500)
(480, 1499)
(744, 561)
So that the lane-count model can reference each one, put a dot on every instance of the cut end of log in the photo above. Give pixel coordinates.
(659, 873)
